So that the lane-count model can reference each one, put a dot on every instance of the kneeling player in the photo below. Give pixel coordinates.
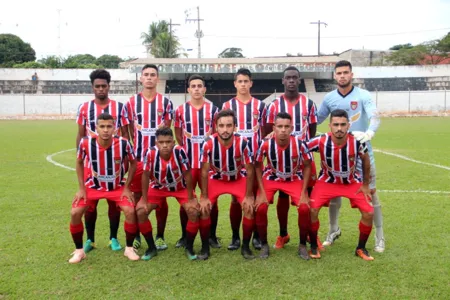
(224, 155)
(339, 152)
(167, 171)
(106, 155)
(286, 156)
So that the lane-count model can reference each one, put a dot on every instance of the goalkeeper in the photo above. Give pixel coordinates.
(364, 122)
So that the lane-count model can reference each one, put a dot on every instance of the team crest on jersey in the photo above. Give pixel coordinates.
(237, 158)
(294, 159)
(354, 104)
(352, 159)
(160, 112)
(256, 116)
(117, 160)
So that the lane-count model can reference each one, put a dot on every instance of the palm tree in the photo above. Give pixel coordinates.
(231, 52)
(160, 42)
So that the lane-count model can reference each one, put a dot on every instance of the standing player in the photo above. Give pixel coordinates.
(107, 155)
(250, 113)
(87, 120)
(167, 171)
(304, 119)
(339, 153)
(224, 155)
(149, 111)
(194, 122)
(364, 122)
(286, 154)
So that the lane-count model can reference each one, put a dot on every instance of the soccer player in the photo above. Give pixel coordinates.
(364, 122)
(250, 116)
(167, 172)
(87, 121)
(194, 122)
(107, 155)
(339, 177)
(286, 156)
(148, 111)
(224, 156)
(304, 119)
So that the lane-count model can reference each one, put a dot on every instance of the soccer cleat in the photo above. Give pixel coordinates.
(88, 246)
(114, 244)
(264, 251)
(160, 244)
(149, 254)
(137, 242)
(181, 243)
(204, 253)
(281, 241)
(332, 237)
(78, 255)
(131, 253)
(247, 253)
(214, 242)
(379, 245)
(364, 254)
(319, 243)
(190, 254)
(303, 252)
(235, 244)
(256, 243)
(314, 253)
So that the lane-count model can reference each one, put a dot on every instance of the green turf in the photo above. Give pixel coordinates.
(35, 242)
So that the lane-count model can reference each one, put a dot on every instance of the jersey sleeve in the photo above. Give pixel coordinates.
(178, 119)
(371, 110)
(313, 144)
(206, 152)
(147, 160)
(130, 152)
(130, 111)
(81, 118)
(324, 111)
(312, 109)
(362, 149)
(248, 156)
(215, 111)
(262, 151)
(271, 113)
(168, 114)
(262, 114)
(81, 150)
(184, 160)
(306, 155)
(123, 119)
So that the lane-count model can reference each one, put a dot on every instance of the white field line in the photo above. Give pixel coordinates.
(50, 159)
(412, 160)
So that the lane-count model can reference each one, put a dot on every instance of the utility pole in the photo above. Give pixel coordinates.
(199, 33)
(318, 34)
(59, 32)
(170, 33)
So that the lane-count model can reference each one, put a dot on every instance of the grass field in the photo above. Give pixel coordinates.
(35, 242)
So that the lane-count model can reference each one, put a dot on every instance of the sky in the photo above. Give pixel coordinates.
(272, 29)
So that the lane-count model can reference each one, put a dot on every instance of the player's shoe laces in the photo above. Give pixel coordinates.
(160, 244)
(379, 245)
(331, 237)
(314, 253)
(88, 246)
(149, 254)
(190, 254)
(131, 253)
(364, 254)
(235, 244)
(247, 253)
(78, 255)
(214, 242)
(256, 243)
(115, 245)
(181, 243)
(281, 241)
(303, 252)
(137, 242)
(264, 251)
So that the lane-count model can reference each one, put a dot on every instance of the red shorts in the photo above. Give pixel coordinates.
(292, 188)
(323, 192)
(196, 177)
(156, 196)
(136, 183)
(235, 188)
(94, 195)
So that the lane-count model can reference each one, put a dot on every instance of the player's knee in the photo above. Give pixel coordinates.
(314, 212)
(367, 215)
(192, 212)
(129, 212)
(262, 209)
(76, 213)
(303, 209)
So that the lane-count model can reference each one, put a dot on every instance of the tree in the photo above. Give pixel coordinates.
(407, 57)
(79, 61)
(13, 50)
(52, 62)
(109, 61)
(231, 52)
(30, 65)
(401, 46)
(160, 42)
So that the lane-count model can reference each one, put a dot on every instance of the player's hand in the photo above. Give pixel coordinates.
(269, 136)
(366, 192)
(363, 137)
(248, 205)
(81, 194)
(205, 206)
(145, 201)
(127, 194)
(260, 199)
(304, 198)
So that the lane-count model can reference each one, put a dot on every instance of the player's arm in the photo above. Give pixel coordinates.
(312, 130)
(261, 197)
(374, 119)
(250, 168)
(188, 177)
(124, 130)
(80, 134)
(204, 180)
(365, 189)
(79, 168)
(145, 183)
(179, 135)
(306, 177)
(323, 112)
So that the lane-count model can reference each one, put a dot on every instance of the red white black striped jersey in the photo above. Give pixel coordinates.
(167, 175)
(283, 163)
(147, 116)
(303, 113)
(338, 163)
(226, 163)
(89, 111)
(250, 120)
(107, 165)
(197, 125)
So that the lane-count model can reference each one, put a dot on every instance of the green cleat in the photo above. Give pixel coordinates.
(149, 254)
(190, 254)
(160, 244)
(137, 242)
(88, 246)
(114, 244)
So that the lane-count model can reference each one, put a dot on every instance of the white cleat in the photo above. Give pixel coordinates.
(331, 237)
(78, 256)
(379, 245)
(131, 253)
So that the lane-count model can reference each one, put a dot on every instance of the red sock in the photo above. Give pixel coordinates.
(130, 232)
(235, 217)
(304, 221)
(247, 230)
(261, 222)
(283, 212)
(191, 233)
(77, 235)
(313, 230)
(205, 225)
(146, 229)
(364, 233)
(214, 215)
(161, 218)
